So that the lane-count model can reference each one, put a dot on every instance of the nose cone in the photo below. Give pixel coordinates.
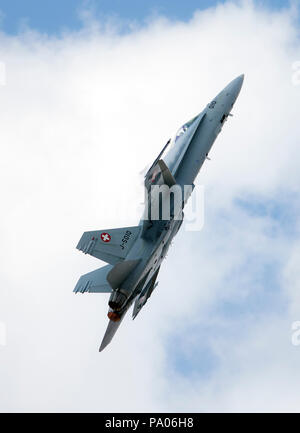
(234, 87)
(238, 82)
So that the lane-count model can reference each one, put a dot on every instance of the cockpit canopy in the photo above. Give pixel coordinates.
(183, 129)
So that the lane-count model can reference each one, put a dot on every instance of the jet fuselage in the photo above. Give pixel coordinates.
(135, 254)
(151, 252)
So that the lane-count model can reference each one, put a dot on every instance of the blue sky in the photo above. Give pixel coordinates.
(56, 15)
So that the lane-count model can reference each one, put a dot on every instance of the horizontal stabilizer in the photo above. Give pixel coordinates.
(95, 281)
(109, 245)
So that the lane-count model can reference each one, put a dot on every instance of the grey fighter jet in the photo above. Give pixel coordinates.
(135, 254)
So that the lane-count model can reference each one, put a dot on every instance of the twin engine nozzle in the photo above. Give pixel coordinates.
(117, 300)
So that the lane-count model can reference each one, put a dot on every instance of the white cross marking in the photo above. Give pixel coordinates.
(105, 237)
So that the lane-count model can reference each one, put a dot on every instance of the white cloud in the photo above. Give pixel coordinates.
(81, 116)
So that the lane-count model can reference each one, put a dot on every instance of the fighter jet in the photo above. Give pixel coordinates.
(135, 254)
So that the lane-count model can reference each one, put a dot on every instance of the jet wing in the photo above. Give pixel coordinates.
(95, 281)
(109, 245)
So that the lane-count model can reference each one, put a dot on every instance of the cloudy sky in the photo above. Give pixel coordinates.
(89, 94)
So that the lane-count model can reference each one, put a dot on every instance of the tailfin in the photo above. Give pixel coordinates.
(109, 245)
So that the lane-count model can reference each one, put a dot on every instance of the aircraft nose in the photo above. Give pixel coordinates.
(238, 82)
(234, 87)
